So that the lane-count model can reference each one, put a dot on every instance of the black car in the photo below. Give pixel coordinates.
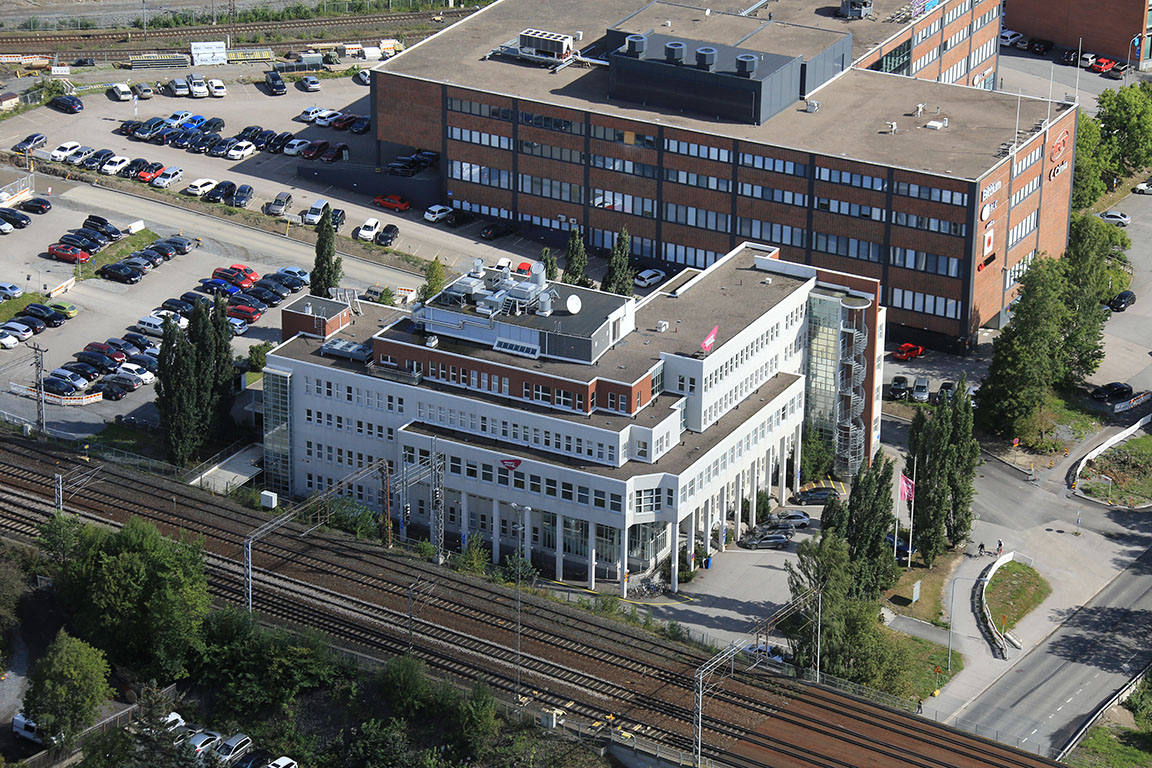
(84, 61)
(275, 83)
(261, 139)
(80, 242)
(97, 159)
(193, 298)
(34, 323)
(274, 287)
(14, 217)
(460, 218)
(213, 125)
(109, 390)
(245, 300)
(35, 141)
(220, 148)
(93, 235)
(103, 226)
(815, 496)
(82, 369)
(387, 235)
(147, 362)
(277, 143)
(128, 127)
(132, 170)
(182, 308)
(49, 316)
(204, 143)
(293, 284)
(100, 362)
(69, 104)
(242, 196)
(257, 759)
(55, 386)
(1071, 58)
(184, 140)
(152, 257)
(270, 298)
(249, 132)
(899, 389)
(497, 229)
(338, 218)
(1117, 390)
(139, 340)
(220, 192)
(362, 125)
(1123, 300)
(1041, 46)
(166, 135)
(36, 205)
(120, 273)
(165, 249)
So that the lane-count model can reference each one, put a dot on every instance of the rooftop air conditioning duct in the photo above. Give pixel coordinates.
(745, 64)
(544, 305)
(636, 45)
(706, 58)
(674, 52)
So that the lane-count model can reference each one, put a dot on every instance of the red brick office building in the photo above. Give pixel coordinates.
(697, 129)
(1106, 29)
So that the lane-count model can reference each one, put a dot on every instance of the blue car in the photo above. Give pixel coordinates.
(215, 285)
(195, 121)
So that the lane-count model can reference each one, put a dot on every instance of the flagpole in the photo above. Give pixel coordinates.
(912, 511)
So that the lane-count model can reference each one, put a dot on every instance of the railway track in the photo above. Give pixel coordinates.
(642, 683)
(367, 21)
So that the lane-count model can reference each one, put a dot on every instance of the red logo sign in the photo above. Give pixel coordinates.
(510, 463)
(709, 340)
(1059, 146)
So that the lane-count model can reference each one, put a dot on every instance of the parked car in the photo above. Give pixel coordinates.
(298, 273)
(280, 205)
(1102, 64)
(15, 218)
(233, 276)
(109, 351)
(264, 296)
(222, 147)
(361, 126)
(1116, 217)
(901, 547)
(120, 273)
(899, 388)
(293, 284)
(216, 286)
(316, 212)
(1009, 37)
(278, 142)
(82, 369)
(241, 150)
(796, 517)
(945, 394)
(314, 150)
(296, 146)
(140, 372)
(142, 90)
(132, 170)
(100, 362)
(437, 213)
(1122, 301)
(280, 290)
(199, 187)
(1070, 58)
(1119, 71)
(1087, 60)
(387, 235)
(908, 351)
(68, 253)
(497, 229)
(234, 748)
(220, 192)
(765, 540)
(56, 386)
(275, 83)
(310, 83)
(51, 317)
(20, 331)
(63, 307)
(78, 382)
(69, 104)
(114, 165)
(97, 159)
(815, 495)
(244, 312)
(168, 177)
(648, 277)
(920, 390)
(30, 142)
(335, 152)
(242, 196)
(1116, 390)
(64, 150)
(216, 88)
(150, 172)
(1040, 46)
(78, 156)
(368, 230)
(392, 202)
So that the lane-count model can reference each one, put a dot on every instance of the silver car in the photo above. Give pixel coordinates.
(1116, 217)
(235, 748)
(920, 390)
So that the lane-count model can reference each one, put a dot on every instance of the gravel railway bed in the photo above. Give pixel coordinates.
(849, 726)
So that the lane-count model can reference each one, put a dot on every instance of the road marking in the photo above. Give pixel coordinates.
(1059, 707)
(1034, 731)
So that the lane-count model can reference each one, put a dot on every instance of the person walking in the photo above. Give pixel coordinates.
(981, 549)
(999, 547)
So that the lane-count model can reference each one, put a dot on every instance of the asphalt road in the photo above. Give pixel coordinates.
(1032, 75)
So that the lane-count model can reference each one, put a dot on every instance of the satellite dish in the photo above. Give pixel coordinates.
(573, 304)
(537, 268)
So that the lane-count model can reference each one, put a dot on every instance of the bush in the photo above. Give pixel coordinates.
(424, 549)
(405, 683)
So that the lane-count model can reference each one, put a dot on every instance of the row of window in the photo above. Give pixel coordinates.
(925, 60)
(720, 464)
(925, 303)
(637, 246)
(925, 33)
(698, 150)
(1025, 191)
(481, 138)
(338, 422)
(851, 209)
(955, 72)
(623, 137)
(1013, 274)
(930, 223)
(509, 115)
(361, 397)
(697, 217)
(773, 164)
(909, 258)
(1028, 160)
(983, 52)
(935, 194)
(1023, 229)
(851, 247)
(987, 18)
(739, 391)
(697, 180)
(960, 36)
(850, 179)
(625, 166)
(957, 11)
(551, 188)
(771, 194)
(480, 174)
(552, 153)
(622, 201)
(525, 481)
(770, 232)
(692, 257)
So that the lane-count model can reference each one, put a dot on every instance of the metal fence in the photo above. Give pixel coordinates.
(203, 467)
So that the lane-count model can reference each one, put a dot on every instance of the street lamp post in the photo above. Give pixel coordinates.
(952, 610)
(519, 528)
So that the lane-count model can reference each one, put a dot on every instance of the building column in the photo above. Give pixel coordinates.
(694, 519)
(559, 547)
(722, 537)
(591, 555)
(708, 504)
(623, 561)
(464, 522)
(495, 531)
(738, 502)
(524, 518)
(675, 553)
(782, 463)
(753, 489)
(796, 443)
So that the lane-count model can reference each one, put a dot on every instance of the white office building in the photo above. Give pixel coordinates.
(605, 433)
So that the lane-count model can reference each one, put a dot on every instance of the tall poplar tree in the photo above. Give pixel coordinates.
(177, 396)
(328, 269)
(576, 263)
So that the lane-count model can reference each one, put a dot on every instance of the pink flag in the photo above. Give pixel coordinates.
(907, 488)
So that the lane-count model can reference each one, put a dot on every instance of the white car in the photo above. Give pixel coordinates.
(180, 320)
(311, 83)
(19, 330)
(295, 147)
(648, 277)
(437, 213)
(61, 152)
(11, 291)
(5, 227)
(327, 117)
(121, 92)
(169, 177)
(216, 88)
(114, 165)
(199, 188)
(1009, 37)
(1087, 60)
(7, 340)
(1144, 187)
(283, 762)
(309, 114)
(141, 373)
(1116, 217)
(296, 272)
(368, 229)
(242, 150)
(197, 88)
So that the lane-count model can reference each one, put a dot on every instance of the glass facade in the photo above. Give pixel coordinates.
(837, 366)
(278, 461)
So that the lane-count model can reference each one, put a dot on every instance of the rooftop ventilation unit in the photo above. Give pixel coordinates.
(661, 326)
(345, 348)
(544, 305)
(746, 64)
(706, 58)
(536, 275)
(432, 341)
(811, 106)
(477, 268)
(674, 52)
(538, 45)
(636, 45)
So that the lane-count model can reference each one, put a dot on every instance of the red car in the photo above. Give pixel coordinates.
(314, 150)
(233, 276)
(247, 271)
(1103, 65)
(150, 172)
(68, 253)
(107, 350)
(392, 202)
(335, 152)
(345, 122)
(243, 312)
(908, 351)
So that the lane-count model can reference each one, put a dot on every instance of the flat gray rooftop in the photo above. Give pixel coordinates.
(852, 122)
(359, 331)
(866, 34)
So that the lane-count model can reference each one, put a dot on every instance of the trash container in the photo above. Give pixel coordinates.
(707, 563)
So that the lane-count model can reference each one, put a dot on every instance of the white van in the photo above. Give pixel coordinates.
(24, 728)
(313, 214)
(120, 92)
(151, 325)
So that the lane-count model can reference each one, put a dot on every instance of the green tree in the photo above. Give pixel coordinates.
(114, 748)
(178, 396)
(1093, 163)
(433, 280)
(405, 680)
(66, 687)
(551, 270)
(1086, 289)
(258, 355)
(13, 586)
(224, 371)
(386, 297)
(475, 557)
(478, 723)
(576, 260)
(862, 523)
(1125, 116)
(60, 536)
(933, 491)
(375, 744)
(140, 596)
(328, 269)
(152, 740)
(618, 278)
(822, 565)
(815, 455)
(963, 460)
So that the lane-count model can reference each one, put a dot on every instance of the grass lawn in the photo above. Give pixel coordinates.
(933, 584)
(1013, 592)
(9, 308)
(1113, 747)
(132, 440)
(923, 658)
(118, 250)
(1130, 467)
